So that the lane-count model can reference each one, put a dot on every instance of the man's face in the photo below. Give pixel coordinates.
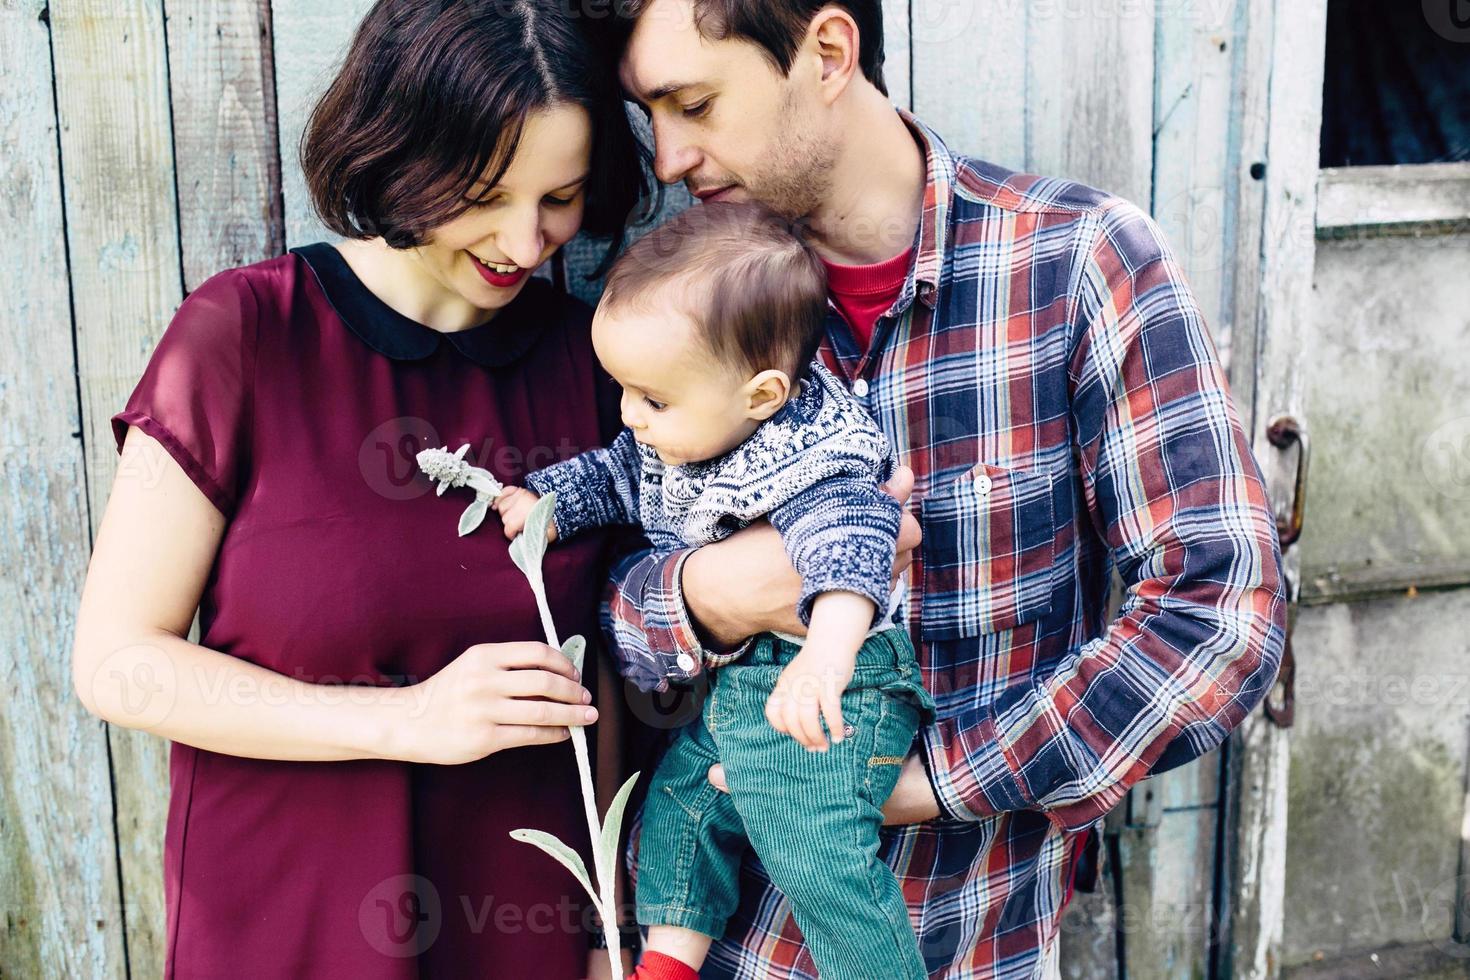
(725, 120)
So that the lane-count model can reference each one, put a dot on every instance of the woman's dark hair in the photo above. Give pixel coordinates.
(433, 97)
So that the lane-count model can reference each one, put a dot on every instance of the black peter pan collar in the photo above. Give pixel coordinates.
(495, 344)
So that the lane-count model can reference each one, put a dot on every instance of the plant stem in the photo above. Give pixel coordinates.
(604, 876)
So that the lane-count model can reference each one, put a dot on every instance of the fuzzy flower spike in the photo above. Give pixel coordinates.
(451, 470)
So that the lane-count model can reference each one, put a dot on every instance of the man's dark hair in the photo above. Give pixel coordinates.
(756, 291)
(432, 99)
(779, 27)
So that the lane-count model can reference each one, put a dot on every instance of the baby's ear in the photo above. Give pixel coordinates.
(765, 394)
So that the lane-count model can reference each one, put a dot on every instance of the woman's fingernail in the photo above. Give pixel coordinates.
(586, 697)
(591, 714)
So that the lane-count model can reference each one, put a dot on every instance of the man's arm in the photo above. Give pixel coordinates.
(1169, 481)
(663, 606)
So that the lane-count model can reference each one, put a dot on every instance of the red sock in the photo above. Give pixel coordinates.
(661, 966)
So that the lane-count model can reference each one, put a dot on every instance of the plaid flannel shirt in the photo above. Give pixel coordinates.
(1047, 375)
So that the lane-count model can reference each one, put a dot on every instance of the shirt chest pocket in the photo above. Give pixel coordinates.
(989, 541)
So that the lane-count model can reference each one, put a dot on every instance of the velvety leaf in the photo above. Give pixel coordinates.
(473, 515)
(533, 538)
(612, 825)
(568, 858)
(574, 650)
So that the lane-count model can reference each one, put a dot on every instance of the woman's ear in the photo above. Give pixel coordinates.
(765, 394)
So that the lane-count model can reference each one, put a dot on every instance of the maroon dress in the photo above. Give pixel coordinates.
(296, 400)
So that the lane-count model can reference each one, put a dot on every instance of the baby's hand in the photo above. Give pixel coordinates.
(808, 690)
(514, 506)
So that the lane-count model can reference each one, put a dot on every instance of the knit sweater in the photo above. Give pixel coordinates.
(814, 469)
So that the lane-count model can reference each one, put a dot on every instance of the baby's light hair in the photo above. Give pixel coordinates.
(755, 289)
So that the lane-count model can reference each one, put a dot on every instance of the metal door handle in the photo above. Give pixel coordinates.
(1283, 432)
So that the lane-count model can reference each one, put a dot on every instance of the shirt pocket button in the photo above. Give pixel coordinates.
(982, 485)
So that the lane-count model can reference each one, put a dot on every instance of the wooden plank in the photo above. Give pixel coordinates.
(897, 53)
(1195, 146)
(1167, 906)
(1365, 197)
(125, 272)
(311, 39)
(1246, 203)
(969, 77)
(1288, 250)
(1089, 94)
(224, 120)
(62, 915)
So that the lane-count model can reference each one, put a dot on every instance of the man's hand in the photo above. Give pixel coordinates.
(912, 800)
(745, 584)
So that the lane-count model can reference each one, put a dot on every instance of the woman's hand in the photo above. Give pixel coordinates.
(745, 584)
(494, 696)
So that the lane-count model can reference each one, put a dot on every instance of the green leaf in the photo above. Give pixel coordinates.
(612, 825)
(528, 549)
(472, 516)
(568, 858)
(574, 650)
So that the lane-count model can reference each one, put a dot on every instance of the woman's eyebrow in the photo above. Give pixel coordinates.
(573, 183)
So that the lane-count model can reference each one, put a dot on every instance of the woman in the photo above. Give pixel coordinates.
(362, 721)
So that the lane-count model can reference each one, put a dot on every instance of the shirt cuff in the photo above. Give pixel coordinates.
(970, 773)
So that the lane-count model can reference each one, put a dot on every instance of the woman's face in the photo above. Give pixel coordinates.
(486, 254)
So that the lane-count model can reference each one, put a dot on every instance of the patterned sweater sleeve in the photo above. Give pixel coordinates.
(841, 534)
(596, 489)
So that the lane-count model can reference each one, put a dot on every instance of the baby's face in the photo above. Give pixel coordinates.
(677, 398)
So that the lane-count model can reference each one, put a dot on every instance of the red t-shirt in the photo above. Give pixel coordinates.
(863, 293)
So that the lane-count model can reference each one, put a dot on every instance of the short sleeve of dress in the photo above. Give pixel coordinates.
(195, 395)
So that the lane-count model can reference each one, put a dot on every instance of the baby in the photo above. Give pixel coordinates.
(710, 324)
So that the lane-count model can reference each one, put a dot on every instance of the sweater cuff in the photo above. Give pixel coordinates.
(848, 563)
(577, 510)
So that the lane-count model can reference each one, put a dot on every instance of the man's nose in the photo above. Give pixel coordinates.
(674, 158)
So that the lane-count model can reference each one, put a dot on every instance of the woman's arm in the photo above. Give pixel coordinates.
(131, 665)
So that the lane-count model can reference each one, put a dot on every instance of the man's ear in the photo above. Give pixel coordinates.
(834, 35)
(765, 394)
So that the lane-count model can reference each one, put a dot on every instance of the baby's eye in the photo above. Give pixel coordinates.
(656, 406)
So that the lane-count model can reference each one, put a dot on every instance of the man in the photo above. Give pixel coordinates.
(1032, 350)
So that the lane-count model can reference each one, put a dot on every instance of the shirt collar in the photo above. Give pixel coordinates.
(495, 344)
(933, 240)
